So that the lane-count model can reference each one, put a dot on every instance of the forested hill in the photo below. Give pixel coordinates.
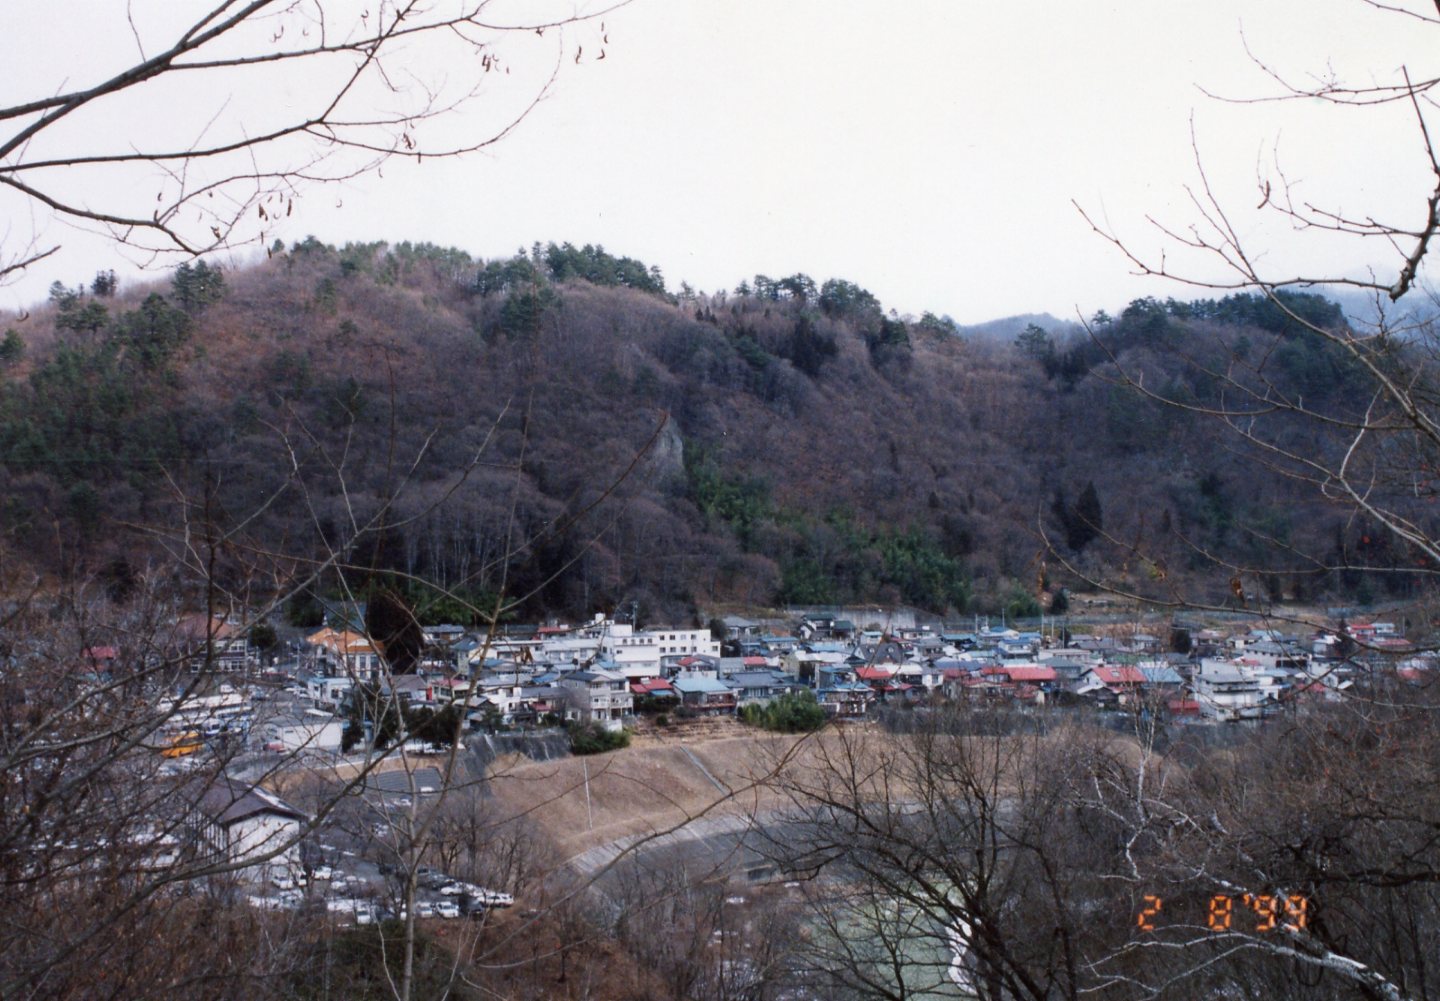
(564, 426)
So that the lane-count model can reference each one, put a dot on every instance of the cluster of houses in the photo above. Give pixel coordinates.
(605, 672)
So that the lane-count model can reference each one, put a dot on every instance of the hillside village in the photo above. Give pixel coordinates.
(611, 673)
(317, 709)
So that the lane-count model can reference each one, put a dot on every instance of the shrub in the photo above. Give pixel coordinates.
(592, 738)
(793, 712)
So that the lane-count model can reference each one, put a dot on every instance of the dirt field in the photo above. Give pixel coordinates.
(649, 787)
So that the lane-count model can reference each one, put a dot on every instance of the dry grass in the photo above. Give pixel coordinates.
(590, 801)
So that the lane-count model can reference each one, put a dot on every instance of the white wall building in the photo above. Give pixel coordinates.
(328, 691)
(634, 653)
(1227, 691)
(316, 730)
(248, 824)
(598, 696)
(342, 653)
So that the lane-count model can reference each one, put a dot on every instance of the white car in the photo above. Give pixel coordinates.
(322, 872)
(424, 909)
(494, 898)
(282, 881)
(447, 909)
(454, 889)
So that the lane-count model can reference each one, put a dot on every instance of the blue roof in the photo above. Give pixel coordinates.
(697, 686)
(1160, 675)
(754, 679)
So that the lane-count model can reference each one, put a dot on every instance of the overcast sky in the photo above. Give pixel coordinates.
(929, 150)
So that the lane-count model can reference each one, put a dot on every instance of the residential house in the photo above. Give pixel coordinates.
(1068, 673)
(597, 696)
(501, 692)
(1227, 691)
(408, 689)
(1042, 676)
(805, 662)
(1125, 682)
(455, 688)
(779, 645)
(1162, 679)
(882, 680)
(737, 627)
(919, 675)
(840, 692)
(442, 635)
(695, 666)
(759, 687)
(527, 704)
(215, 644)
(465, 652)
(657, 691)
(707, 696)
(324, 690)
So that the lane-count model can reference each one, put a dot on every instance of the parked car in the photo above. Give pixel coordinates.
(447, 909)
(322, 872)
(494, 898)
(424, 909)
(282, 881)
(454, 889)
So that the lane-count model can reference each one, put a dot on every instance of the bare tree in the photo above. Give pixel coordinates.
(1345, 404)
(1018, 863)
(245, 103)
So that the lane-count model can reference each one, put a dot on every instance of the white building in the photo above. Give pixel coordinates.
(342, 653)
(634, 653)
(315, 730)
(247, 824)
(328, 691)
(1227, 691)
(598, 696)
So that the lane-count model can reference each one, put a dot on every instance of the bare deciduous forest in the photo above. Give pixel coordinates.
(786, 442)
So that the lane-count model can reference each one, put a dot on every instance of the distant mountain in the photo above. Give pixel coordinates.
(1007, 328)
(1365, 309)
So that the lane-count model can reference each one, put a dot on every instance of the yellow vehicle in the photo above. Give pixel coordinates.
(182, 744)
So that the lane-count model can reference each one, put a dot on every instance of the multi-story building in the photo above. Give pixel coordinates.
(214, 644)
(598, 696)
(342, 653)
